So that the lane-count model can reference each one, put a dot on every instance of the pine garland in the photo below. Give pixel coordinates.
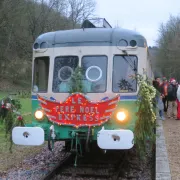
(16, 122)
(145, 124)
(8, 122)
(12, 118)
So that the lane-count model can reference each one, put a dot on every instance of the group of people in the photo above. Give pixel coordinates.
(167, 97)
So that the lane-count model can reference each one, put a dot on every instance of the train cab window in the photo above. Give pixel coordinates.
(64, 66)
(41, 74)
(94, 73)
(123, 68)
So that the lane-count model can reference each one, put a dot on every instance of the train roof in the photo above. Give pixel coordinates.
(90, 37)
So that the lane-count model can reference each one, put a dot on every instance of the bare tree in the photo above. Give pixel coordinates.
(79, 10)
(22, 21)
(39, 14)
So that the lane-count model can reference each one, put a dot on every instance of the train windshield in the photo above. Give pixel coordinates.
(41, 74)
(94, 73)
(64, 66)
(123, 68)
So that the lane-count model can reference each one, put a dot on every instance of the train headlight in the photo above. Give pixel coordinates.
(39, 114)
(121, 116)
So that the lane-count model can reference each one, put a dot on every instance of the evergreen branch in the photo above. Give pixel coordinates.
(145, 124)
(76, 82)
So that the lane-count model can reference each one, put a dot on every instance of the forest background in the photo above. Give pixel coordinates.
(22, 21)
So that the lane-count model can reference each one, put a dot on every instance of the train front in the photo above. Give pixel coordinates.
(104, 112)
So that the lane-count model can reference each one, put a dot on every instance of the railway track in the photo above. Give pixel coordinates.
(94, 165)
(67, 160)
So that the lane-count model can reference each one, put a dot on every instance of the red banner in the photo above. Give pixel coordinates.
(78, 111)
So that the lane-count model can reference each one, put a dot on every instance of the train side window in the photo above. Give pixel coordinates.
(123, 68)
(64, 66)
(95, 73)
(41, 74)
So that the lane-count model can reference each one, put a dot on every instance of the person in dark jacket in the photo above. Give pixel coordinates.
(164, 86)
(178, 102)
(172, 97)
(157, 84)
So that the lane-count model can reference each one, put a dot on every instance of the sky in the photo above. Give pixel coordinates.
(141, 15)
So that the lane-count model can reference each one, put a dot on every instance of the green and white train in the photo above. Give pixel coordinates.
(106, 114)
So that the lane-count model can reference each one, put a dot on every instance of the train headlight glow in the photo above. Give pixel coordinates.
(39, 114)
(121, 115)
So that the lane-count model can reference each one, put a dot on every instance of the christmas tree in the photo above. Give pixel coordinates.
(76, 81)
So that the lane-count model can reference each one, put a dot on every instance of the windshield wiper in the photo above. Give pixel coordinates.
(134, 66)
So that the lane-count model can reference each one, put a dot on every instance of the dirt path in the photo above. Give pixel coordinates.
(172, 135)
